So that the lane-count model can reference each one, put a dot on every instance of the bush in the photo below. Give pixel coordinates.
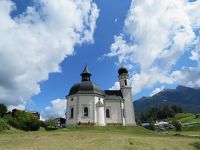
(3, 125)
(3, 110)
(177, 125)
(50, 124)
(24, 121)
(151, 126)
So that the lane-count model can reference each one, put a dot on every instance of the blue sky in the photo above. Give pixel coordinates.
(159, 53)
(104, 73)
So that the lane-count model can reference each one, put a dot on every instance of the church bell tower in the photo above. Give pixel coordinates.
(128, 107)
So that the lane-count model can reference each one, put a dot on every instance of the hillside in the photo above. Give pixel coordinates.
(186, 97)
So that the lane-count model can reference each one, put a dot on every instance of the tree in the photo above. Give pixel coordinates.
(50, 123)
(177, 125)
(24, 121)
(3, 110)
(3, 125)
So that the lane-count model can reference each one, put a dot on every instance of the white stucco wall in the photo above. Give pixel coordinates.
(85, 100)
(115, 112)
(70, 104)
(128, 106)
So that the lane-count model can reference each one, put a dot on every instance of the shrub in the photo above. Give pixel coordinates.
(42, 124)
(24, 121)
(50, 124)
(177, 125)
(3, 125)
(151, 126)
(3, 110)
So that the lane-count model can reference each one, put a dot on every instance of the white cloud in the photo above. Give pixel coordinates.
(33, 44)
(189, 76)
(58, 109)
(156, 35)
(148, 78)
(116, 86)
(157, 90)
(195, 54)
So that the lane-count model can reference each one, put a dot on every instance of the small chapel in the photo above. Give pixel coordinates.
(87, 104)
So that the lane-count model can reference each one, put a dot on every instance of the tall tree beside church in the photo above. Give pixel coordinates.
(3, 110)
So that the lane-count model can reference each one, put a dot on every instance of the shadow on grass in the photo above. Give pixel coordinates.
(51, 129)
(196, 145)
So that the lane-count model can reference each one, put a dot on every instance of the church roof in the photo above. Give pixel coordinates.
(85, 87)
(113, 92)
(113, 95)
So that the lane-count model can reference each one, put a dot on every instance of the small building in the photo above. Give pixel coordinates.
(87, 104)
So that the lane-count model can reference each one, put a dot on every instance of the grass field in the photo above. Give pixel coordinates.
(185, 117)
(95, 138)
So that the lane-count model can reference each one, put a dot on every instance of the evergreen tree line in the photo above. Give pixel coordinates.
(155, 114)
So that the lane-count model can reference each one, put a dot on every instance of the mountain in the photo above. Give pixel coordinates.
(186, 97)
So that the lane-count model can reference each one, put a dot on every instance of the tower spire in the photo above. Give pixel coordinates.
(85, 74)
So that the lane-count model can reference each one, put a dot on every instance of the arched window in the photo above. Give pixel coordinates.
(107, 113)
(125, 82)
(85, 111)
(72, 113)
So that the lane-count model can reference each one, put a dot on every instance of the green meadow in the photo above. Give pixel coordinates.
(99, 138)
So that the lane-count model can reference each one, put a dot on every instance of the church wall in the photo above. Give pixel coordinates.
(115, 112)
(85, 101)
(71, 103)
(128, 105)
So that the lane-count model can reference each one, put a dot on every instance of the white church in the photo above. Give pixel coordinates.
(87, 104)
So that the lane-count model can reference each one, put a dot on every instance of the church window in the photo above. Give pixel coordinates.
(125, 82)
(85, 111)
(107, 113)
(72, 99)
(72, 113)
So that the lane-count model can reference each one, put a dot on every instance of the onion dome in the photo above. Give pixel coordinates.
(122, 70)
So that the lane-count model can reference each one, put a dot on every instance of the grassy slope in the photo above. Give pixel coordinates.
(185, 118)
(92, 138)
(193, 130)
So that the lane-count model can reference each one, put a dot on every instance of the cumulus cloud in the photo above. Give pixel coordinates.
(156, 35)
(34, 43)
(57, 109)
(116, 86)
(189, 76)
